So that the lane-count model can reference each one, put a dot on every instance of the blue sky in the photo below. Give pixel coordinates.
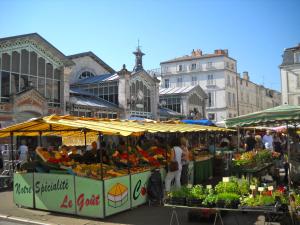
(254, 31)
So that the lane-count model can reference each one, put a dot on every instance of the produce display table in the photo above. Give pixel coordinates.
(268, 213)
(203, 169)
(80, 195)
(250, 172)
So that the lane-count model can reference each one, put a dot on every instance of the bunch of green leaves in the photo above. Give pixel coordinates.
(243, 186)
(265, 200)
(250, 201)
(228, 187)
(283, 198)
(197, 192)
(182, 192)
(297, 200)
(210, 198)
(263, 156)
(228, 198)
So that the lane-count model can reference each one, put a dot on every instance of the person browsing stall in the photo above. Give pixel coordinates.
(176, 156)
(268, 140)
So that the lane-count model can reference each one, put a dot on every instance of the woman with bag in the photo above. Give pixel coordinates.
(175, 166)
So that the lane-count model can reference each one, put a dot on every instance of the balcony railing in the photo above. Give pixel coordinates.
(202, 69)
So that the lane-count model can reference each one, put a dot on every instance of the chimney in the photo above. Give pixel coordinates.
(221, 52)
(198, 52)
(245, 75)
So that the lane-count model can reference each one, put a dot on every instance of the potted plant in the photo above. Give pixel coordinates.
(228, 200)
(178, 197)
(210, 199)
(196, 195)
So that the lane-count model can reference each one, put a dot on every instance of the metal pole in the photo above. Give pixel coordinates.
(127, 155)
(85, 139)
(101, 155)
(215, 143)
(41, 144)
(12, 150)
(289, 152)
(238, 139)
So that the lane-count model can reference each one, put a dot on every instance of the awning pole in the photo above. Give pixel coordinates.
(12, 150)
(238, 139)
(127, 151)
(289, 152)
(101, 155)
(40, 133)
(85, 139)
(215, 143)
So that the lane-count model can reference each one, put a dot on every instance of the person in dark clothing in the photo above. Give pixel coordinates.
(105, 158)
(249, 141)
(90, 156)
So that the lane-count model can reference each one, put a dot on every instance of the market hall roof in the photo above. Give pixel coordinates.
(181, 90)
(66, 125)
(93, 102)
(38, 39)
(94, 57)
(98, 79)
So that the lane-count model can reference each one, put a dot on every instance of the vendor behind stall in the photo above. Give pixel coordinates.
(90, 156)
(73, 154)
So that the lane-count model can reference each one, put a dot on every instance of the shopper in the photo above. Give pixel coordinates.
(249, 141)
(23, 152)
(90, 157)
(176, 155)
(258, 142)
(268, 140)
(185, 161)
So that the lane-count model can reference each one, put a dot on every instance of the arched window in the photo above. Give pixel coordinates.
(86, 74)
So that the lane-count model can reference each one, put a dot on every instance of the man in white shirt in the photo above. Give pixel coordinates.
(268, 140)
(23, 151)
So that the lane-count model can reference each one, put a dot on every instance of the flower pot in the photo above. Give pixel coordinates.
(234, 204)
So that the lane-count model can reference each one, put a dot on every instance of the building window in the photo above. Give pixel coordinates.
(229, 115)
(180, 68)
(210, 79)
(228, 81)
(211, 99)
(211, 116)
(193, 66)
(297, 57)
(172, 103)
(86, 74)
(209, 65)
(227, 64)
(167, 83)
(179, 82)
(229, 99)
(233, 99)
(241, 81)
(298, 100)
(194, 81)
(233, 82)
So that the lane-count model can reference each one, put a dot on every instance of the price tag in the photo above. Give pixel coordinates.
(209, 186)
(225, 179)
(252, 187)
(271, 188)
(260, 189)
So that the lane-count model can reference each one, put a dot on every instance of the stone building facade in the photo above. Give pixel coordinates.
(290, 76)
(228, 94)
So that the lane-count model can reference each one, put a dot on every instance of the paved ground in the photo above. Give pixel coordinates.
(143, 215)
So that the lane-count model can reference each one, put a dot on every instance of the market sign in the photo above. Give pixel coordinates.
(89, 197)
(23, 191)
(139, 183)
(117, 195)
(54, 192)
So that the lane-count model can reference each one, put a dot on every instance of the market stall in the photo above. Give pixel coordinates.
(95, 190)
